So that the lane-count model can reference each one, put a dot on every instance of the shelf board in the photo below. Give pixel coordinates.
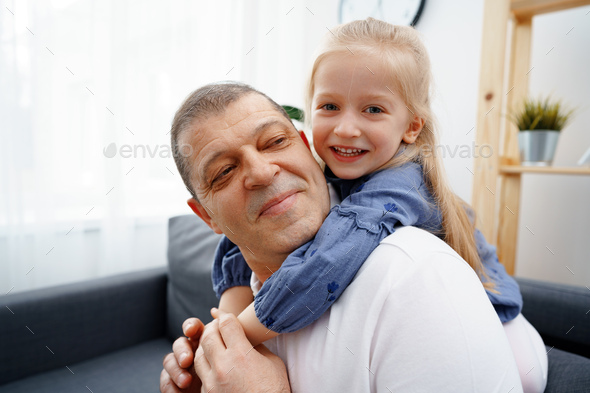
(526, 9)
(557, 170)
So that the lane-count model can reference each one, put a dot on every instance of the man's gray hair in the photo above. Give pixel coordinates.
(207, 101)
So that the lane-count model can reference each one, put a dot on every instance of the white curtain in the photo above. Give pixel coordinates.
(81, 81)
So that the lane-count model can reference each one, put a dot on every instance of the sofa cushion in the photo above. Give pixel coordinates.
(135, 369)
(559, 313)
(567, 372)
(191, 247)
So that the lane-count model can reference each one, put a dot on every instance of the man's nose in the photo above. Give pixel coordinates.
(259, 170)
(347, 126)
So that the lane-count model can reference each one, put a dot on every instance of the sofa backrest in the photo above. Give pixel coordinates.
(58, 326)
(191, 247)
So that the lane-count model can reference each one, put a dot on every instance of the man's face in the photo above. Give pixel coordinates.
(256, 181)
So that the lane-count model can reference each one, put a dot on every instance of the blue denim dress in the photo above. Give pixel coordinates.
(317, 273)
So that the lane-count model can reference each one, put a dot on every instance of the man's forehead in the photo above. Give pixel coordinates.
(251, 107)
(243, 121)
(240, 119)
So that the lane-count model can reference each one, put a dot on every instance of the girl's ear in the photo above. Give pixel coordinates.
(414, 129)
(202, 212)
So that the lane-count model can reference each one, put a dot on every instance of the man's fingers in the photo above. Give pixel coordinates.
(183, 351)
(193, 328)
(233, 334)
(212, 344)
(180, 376)
(166, 383)
(202, 366)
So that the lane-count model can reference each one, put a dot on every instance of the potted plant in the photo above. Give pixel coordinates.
(294, 113)
(539, 122)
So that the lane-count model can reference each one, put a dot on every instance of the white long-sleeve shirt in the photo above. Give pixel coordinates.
(415, 319)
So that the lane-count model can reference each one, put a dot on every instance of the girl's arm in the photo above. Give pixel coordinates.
(316, 274)
(255, 331)
(230, 272)
(235, 299)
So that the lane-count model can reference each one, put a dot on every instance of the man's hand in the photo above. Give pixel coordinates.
(178, 374)
(226, 361)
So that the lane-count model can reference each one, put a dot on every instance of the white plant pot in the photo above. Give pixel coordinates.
(537, 147)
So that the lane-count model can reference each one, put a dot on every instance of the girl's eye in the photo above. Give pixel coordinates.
(330, 107)
(373, 109)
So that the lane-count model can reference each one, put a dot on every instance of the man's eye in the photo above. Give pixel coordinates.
(278, 141)
(223, 174)
(373, 109)
(330, 107)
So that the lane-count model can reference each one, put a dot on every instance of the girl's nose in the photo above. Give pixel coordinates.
(347, 127)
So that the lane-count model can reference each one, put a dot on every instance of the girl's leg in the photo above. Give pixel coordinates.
(529, 352)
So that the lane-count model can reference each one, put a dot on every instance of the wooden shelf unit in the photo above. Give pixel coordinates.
(496, 185)
(551, 170)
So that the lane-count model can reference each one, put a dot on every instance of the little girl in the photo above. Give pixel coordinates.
(369, 103)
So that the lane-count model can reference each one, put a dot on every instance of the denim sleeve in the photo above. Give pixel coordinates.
(229, 267)
(316, 274)
(508, 302)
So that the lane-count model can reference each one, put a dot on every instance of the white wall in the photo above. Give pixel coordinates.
(452, 31)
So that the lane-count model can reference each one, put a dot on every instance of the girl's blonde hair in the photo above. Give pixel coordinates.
(402, 50)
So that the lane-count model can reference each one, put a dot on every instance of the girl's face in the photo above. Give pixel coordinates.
(358, 121)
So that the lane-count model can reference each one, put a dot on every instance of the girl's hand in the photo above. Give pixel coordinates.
(217, 313)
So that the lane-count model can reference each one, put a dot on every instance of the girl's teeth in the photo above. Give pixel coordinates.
(348, 152)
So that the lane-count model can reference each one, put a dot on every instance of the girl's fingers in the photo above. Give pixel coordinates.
(217, 313)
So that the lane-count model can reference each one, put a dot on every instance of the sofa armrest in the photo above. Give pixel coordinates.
(560, 313)
(58, 326)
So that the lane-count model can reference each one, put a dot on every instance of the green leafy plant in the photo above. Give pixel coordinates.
(294, 113)
(541, 114)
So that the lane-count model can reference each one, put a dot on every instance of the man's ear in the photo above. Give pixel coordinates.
(201, 211)
(413, 130)
(302, 134)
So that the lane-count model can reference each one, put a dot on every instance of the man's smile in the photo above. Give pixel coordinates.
(279, 204)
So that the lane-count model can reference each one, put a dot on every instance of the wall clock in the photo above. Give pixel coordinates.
(397, 12)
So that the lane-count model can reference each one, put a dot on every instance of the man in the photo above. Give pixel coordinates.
(416, 317)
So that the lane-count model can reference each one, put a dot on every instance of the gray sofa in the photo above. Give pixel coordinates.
(110, 334)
